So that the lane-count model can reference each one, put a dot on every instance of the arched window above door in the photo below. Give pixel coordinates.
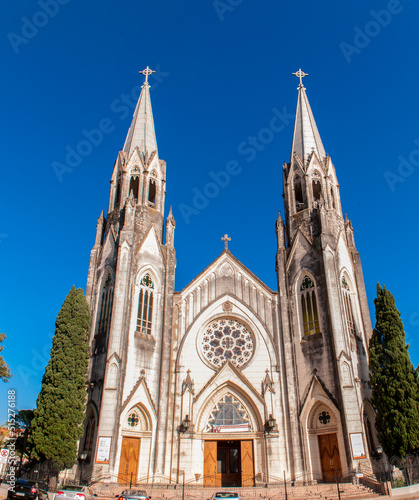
(228, 415)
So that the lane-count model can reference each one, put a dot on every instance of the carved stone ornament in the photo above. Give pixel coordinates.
(226, 270)
(227, 306)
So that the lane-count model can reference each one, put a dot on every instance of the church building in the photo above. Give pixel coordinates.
(226, 382)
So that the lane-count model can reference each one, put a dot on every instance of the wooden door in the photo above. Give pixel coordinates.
(211, 478)
(128, 464)
(247, 463)
(329, 457)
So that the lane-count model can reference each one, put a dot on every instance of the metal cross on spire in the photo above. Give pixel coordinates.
(226, 239)
(300, 74)
(146, 72)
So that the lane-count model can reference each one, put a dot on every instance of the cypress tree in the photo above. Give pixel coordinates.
(59, 413)
(394, 380)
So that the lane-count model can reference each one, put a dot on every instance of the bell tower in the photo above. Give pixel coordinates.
(130, 291)
(324, 311)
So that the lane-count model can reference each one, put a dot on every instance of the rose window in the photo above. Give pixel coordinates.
(227, 339)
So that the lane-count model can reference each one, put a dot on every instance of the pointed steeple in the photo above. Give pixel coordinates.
(306, 137)
(141, 133)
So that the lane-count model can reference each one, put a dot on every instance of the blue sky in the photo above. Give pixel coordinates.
(223, 68)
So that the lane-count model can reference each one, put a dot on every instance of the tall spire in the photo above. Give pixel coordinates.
(141, 133)
(306, 135)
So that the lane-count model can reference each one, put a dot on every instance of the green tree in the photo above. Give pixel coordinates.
(23, 422)
(395, 393)
(58, 417)
(4, 369)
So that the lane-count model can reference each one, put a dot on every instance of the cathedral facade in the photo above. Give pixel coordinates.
(226, 382)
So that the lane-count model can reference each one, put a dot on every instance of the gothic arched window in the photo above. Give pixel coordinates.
(333, 197)
(309, 310)
(152, 191)
(89, 436)
(347, 301)
(117, 192)
(317, 188)
(298, 193)
(229, 414)
(134, 186)
(106, 306)
(145, 305)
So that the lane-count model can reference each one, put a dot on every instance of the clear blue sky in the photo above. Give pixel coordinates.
(222, 69)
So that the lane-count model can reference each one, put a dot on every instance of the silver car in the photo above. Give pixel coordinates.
(75, 492)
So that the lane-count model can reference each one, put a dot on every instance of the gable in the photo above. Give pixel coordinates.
(150, 247)
(302, 254)
(225, 266)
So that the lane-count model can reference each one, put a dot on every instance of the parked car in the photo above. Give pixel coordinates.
(30, 490)
(222, 495)
(134, 495)
(73, 492)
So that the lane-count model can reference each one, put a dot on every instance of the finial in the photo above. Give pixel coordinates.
(226, 239)
(146, 72)
(300, 74)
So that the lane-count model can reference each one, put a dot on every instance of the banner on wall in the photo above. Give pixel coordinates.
(103, 450)
(357, 443)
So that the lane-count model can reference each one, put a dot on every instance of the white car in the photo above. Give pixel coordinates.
(75, 492)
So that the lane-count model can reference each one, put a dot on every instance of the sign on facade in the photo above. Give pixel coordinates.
(357, 442)
(103, 450)
(231, 428)
(4, 455)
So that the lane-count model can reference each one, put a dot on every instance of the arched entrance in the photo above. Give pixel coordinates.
(324, 443)
(135, 428)
(229, 451)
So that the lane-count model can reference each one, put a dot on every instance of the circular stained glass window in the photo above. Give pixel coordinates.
(324, 417)
(227, 339)
(133, 420)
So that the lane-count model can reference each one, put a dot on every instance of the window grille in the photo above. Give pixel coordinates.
(145, 305)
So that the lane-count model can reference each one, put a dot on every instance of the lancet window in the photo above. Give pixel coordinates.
(152, 191)
(89, 436)
(309, 309)
(298, 193)
(347, 301)
(145, 305)
(317, 187)
(134, 186)
(117, 192)
(332, 197)
(370, 439)
(106, 306)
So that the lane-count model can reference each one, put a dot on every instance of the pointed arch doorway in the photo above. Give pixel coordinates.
(228, 463)
(325, 443)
